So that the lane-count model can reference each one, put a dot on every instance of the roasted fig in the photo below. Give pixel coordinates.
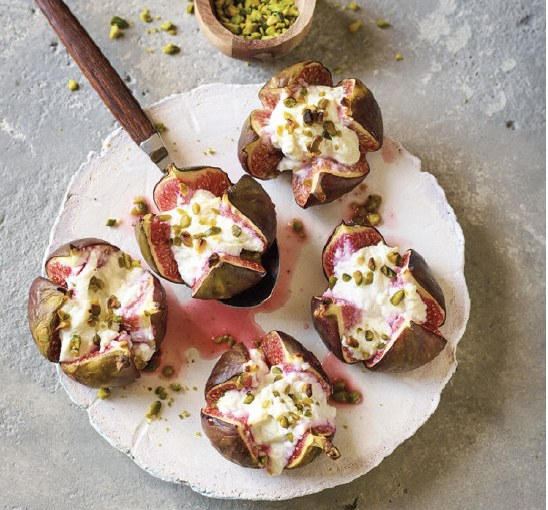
(99, 315)
(210, 234)
(381, 308)
(267, 408)
(319, 131)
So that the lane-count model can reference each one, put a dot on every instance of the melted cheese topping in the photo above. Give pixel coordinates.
(378, 312)
(280, 409)
(222, 234)
(294, 143)
(93, 280)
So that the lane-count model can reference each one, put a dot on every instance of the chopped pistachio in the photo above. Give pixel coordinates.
(398, 56)
(353, 6)
(346, 277)
(382, 23)
(167, 371)
(354, 27)
(236, 231)
(388, 272)
(397, 297)
(337, 70)
(368, 278)
(111, 222)
(154, 410)
(354, 396)
(176, 387)
(190, 9)
(72, 85)
(339, 385)
(103, 393)
(145, 16)
(249, 398)
(171, 49)
(119, 22)
(332, 281)
(160, 127)
(297, 227)
(115, 32)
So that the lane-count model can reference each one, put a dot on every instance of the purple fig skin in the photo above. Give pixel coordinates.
(45, 298)
(260, 158)
(411, 345)
(113, 367)
(233, 439)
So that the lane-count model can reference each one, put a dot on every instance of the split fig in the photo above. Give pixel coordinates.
(268, 408)
(210, 235)
(319, 131)
(98, 314)
(381, 307)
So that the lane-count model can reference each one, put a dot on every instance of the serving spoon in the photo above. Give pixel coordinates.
(128, 112)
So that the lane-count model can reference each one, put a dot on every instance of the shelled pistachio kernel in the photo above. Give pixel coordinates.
(171, 49)
(72, 85)
(111, 222)
(368, 278)
(397, 297)
(154, 410)
(388, 272)
(332, 281)
(103, 393)
(141, 208)
(145, 16)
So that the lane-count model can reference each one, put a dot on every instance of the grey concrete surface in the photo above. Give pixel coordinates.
(468, 98)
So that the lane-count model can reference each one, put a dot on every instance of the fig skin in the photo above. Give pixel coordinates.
(113, 367)
(411, 345)
(45, 298)
(330, 180)
(225, 276)
(232, 438)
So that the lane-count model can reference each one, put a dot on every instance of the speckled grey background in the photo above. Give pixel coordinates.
(468, 98)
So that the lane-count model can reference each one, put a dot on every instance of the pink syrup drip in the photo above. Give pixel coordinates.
(391, 151)
(196, 323)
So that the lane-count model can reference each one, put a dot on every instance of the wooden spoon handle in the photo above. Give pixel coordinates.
(98, 70)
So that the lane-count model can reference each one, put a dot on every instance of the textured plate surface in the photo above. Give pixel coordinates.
(203, 129)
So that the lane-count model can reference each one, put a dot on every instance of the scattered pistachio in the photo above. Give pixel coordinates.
(373, 219)
(382, 23)
(196, 208)
(398, 56)
(160, 127)
(340, 396)
(72, 85)
(297, 227)
(368, 278)
(175, 387)
(161, 392)
(222, 338)
(169, 27)
(332, 281)
(369, 335)
(115, 32)
(190, 9)
(119, 22)
(74, 345)
(353, 6)
(358, 277)
(263, 460)
(111, 222)
(395, 258)
(167, 371)
(354, 396)
(276, 370)
(145, 16)
(290, 102)
(388, 272)
(103, 393)
(249, 398)
(154, 410)
(337, 70)
(164, 217)
(171, 49)
(236, 231)
(140, 209)
(354, 27)
(397, 297)
(346, 277)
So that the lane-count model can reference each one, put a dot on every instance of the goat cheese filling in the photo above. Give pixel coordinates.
(198, 229)
(371, 281)
(312, 125)
(108, 302)
(280, 409)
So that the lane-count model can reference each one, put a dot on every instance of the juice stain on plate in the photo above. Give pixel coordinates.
(196, 323)
(391, 151)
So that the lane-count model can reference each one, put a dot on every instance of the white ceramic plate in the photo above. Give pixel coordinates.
(203, 129)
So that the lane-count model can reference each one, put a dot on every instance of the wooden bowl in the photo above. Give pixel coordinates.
(243, 48)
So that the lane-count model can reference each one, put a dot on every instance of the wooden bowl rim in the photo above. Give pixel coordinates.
(224, 35)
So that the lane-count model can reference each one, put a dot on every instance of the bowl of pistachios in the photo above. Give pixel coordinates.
(254, 30)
